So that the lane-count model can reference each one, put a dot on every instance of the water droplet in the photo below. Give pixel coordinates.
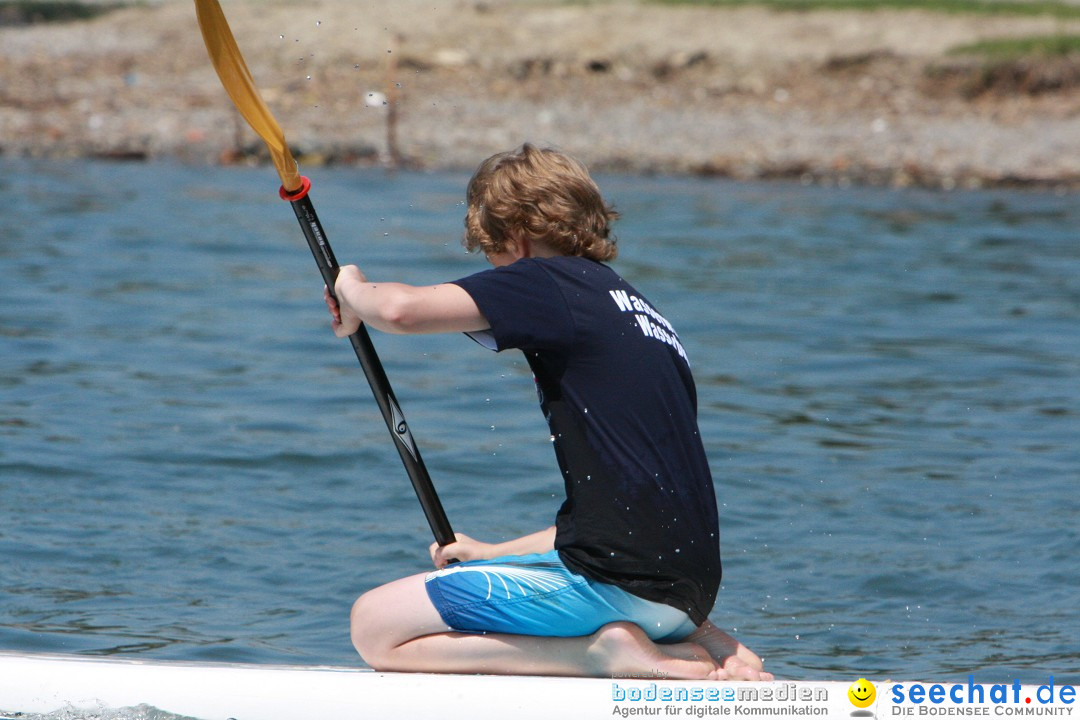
(678, 550)
(318, 23)
(552, 438)
(308, 77)
(281, 36)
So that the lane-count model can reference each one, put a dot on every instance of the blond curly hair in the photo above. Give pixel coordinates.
(539, 195)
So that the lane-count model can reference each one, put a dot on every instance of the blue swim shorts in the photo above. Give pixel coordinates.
(539, 595)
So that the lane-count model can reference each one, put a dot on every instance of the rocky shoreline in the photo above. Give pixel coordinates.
(747, 93)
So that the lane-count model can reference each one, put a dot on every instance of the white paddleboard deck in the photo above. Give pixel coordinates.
(219, 691)
(47, 684)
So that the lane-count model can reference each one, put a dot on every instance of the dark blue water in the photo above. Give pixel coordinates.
(192, 467)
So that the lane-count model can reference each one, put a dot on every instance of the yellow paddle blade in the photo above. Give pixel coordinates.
(234, 74)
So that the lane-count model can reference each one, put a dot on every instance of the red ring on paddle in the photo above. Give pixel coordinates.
(305, 188)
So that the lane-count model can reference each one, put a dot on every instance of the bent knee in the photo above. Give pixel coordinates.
(389, 616)
(363, 629)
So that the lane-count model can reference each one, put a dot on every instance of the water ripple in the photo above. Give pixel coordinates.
(192, 467)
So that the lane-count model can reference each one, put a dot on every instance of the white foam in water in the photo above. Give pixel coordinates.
(138, 712)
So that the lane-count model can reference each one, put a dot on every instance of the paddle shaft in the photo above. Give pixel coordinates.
(373, 369)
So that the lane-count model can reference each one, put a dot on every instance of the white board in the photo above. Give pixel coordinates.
(217, 691)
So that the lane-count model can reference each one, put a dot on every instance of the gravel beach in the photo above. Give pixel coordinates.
(747, 92)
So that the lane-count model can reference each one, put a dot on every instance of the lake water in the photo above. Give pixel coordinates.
(192, 466)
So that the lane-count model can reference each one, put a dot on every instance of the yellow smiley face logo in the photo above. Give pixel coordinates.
(861, 693)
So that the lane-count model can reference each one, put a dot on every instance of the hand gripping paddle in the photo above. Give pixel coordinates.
(234, 74)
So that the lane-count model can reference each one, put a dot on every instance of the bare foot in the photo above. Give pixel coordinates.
(735, 669)
(624, 647)
(686, 651)
(735, 660)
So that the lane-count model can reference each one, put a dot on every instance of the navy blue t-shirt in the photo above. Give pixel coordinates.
(616, 389)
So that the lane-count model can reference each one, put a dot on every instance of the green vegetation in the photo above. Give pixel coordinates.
(1005, 49)
(1033, 65)
(977, 7)
(29, 12)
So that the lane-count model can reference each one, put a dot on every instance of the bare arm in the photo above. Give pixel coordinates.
(467, 548)
(400, 308)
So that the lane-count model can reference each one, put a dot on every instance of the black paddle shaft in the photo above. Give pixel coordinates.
(373, 369)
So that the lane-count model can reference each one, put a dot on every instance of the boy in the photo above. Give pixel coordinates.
(625, 579)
